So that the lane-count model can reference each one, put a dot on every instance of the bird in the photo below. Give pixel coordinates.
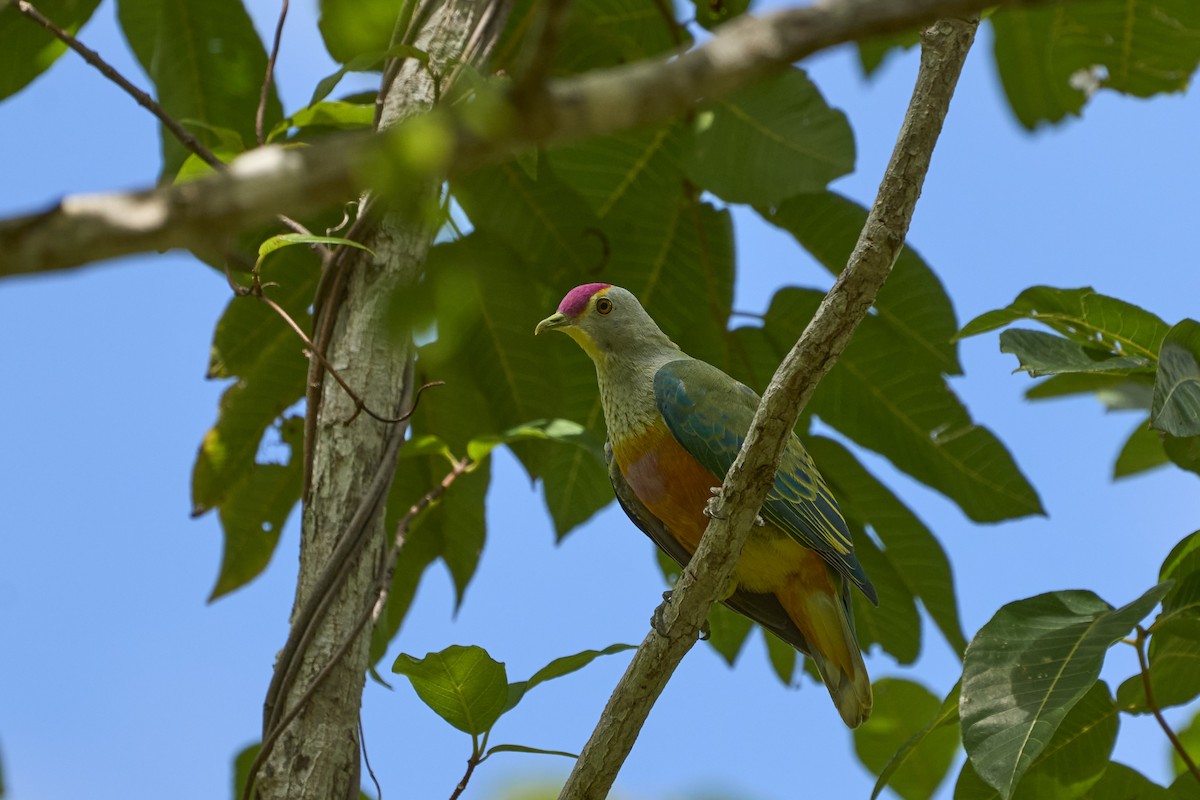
(675, 425)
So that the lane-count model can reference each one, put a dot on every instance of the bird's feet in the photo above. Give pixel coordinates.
(710, 508)
(658, 619)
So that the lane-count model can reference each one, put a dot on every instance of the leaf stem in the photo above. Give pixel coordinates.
(1140, 645)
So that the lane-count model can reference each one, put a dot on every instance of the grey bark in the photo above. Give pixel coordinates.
(317, 754)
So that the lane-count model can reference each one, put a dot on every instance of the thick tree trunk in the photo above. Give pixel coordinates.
(317, 754)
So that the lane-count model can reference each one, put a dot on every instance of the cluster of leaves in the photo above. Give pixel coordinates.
(1034, 718)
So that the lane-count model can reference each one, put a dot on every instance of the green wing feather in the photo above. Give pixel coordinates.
(709, 413)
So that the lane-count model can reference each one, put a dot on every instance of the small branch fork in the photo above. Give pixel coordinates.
(1139, 644)
(944, 49)
(370, 613)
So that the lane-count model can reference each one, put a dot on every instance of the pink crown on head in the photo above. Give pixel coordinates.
(577, 299)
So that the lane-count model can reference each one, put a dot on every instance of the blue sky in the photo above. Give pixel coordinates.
(118, 680)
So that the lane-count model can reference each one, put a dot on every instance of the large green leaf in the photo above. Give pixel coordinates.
(1189, 737)
(666, 246)
(894, 624)
(924, 746)
(464, 685)
(207, 64)
(1183, 452)
(1143, 450)
(1052, 58)
(713, 13)
(897, 716)
(887, 399)
(1176, 405)
(912, 550)
(1083, 316)
(1074, 760)
(913, 302)
(1028, 667)
(769, 141)
(1043, 353)
(355, 29)
(27, 50)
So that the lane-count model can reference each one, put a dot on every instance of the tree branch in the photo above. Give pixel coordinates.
(269, 181)
(944, 49)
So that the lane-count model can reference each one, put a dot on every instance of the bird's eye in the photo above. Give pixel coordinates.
(604, 305)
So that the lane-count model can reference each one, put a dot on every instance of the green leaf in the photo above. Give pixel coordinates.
(364, 63)
(1051, 59)
(782, 657)
(913, 302)
(1183, 452)
(520, 748)
(241, 769)
(1185, 787)
(1073, 761)
(728, 632)
(1116, 392)
(900, 706)
(330, 114)
(873, 52)
(544, 430)
(1176, 406)
(1142, 451)
(1119, 782)
(558, 668)
(355, 30)
(288, 239)
(1083, 316)
(1043, 353)
(605, 33)
(1189, 737)
(256, 347)
(1026, 669)
(787, 141)
(254, 513)
(894, 623)
(712, 13)
(885, 398)
(915, 554)
(207, 64)
(26, 49)
(925, 746)
(463, 685)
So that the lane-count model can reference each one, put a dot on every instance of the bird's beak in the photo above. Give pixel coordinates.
(558, 320)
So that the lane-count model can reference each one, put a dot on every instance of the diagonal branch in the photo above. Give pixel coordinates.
(268, 181)
(146, 101)
(944, 49)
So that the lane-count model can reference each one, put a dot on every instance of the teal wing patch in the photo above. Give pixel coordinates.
(709, 413)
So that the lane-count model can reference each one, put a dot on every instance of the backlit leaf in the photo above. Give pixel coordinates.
(558, 668)
(1142, 451)
(463, 685)
(26, 49)
(787, 141)
(925, 745)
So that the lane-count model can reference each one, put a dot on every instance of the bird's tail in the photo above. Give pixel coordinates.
(824, 618)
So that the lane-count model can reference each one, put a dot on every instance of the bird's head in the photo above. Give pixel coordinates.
(605, 320)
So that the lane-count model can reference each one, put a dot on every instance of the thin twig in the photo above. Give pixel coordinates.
(362, 742)
(944, 50)
(472, 762)
(146, 101)
(1140, 645)
(269, 76)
